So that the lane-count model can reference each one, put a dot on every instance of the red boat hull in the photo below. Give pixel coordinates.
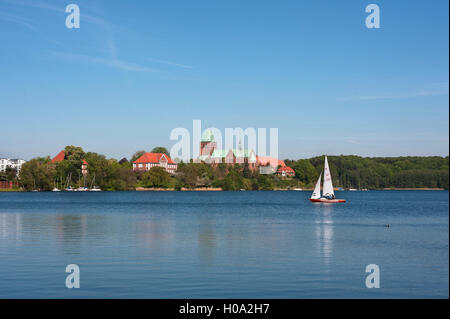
(324, 200)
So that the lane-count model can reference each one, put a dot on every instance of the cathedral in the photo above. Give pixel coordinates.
(211, 155)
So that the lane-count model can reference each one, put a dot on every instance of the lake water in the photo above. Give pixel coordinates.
(224, 244)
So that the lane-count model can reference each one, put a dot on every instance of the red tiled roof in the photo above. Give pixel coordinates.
(263, 160)
(285, 169)
(153, 158)
(59, 157)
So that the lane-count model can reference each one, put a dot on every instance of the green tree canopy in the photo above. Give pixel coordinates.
(136, 155)
(38, 174)
(160, 149)
(156, 177)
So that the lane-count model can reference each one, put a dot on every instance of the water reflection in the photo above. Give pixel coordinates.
(155, 235)
(11, 227)
(324, 232)
(70, 232)
(206, 240)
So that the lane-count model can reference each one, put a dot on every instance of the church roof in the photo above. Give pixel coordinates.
(264, 160)
(236, 152)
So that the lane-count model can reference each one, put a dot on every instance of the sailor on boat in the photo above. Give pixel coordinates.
(328, 191)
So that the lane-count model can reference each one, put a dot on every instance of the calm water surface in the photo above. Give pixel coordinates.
(224, 244)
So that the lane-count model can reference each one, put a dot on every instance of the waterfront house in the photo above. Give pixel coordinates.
(285, 171)
(149, 160)
(12, 163)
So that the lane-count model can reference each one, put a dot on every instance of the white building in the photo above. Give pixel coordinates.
(13, 163)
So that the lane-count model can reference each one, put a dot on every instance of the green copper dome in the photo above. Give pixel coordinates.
(208, 136)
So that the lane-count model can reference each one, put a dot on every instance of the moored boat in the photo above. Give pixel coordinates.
(94, 188)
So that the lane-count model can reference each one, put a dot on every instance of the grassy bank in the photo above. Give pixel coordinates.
(11, 190)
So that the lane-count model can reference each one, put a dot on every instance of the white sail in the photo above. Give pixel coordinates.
(316, 193)
(327, 183)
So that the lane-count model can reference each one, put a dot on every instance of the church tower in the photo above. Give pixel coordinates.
(207, 143)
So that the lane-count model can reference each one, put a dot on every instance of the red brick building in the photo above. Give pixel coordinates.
(8, 184)
(286, 171)
(149, 160)
(269, 161)
(59, 157)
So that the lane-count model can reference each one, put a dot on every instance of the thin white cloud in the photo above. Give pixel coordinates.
(17, 20)
(169, 63)
(115, 63)
(106, 27)
(60, 9)
(35, 4)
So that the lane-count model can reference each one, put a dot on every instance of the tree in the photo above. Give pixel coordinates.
(160, 149)
(187, 174)
(71, 165)
(305, 171)
(10, 174)
(156, 177)
(37, 173)
(136, 155)
(99, 167)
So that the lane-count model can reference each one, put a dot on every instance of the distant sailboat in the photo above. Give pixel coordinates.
(67, 186)
(56, 189)
(328, 191)
(94, 188)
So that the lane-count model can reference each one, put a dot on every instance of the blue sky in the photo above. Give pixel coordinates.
(137, 69)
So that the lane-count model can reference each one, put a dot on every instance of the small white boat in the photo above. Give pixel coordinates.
(298, 189)
(81, 189)
(328, 191)
(56, 189)
(94, 188)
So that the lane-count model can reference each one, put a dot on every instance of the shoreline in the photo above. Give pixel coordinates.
(183, 189)
(218, 189)
(414, 189)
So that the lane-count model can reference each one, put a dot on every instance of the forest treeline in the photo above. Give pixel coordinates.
(347, 171)
(351, 171)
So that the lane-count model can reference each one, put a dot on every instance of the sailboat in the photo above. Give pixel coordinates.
(67, 186)
(328, 192)
(94, 188)
(56, 189)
